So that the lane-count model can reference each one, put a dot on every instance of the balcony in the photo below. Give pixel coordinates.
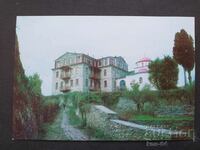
(95, 68)
(93, 88)
(65, 67)
(65, 75)
(65, 88)
(94, 76)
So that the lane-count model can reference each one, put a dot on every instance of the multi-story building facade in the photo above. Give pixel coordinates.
(112, 68)
(80, 72)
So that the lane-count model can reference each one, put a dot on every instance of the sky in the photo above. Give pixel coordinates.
(42, 39)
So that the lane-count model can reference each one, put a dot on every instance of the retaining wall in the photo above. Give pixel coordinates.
(107, 121)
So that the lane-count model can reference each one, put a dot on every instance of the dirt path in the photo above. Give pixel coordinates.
(70, 131)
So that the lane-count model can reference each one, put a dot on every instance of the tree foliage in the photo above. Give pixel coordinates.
(141, 95)
(163, 73)
(183, 52)
(34, 84)
(26, 102)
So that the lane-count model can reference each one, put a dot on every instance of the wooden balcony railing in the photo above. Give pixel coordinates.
(65, 88)
(65, 76)
(94, 76)
(93, 88)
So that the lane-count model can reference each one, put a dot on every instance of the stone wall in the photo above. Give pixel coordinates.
(107, 121)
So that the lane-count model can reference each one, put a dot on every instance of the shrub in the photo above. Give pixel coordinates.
(110, 99)
(141, 96)
(125, 105)
(184, 95)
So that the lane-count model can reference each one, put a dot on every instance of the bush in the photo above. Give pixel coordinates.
(98, 134)
(149, 108)
(73, 118)
(110, 99)
(140, 96)
(183, 95)
(125, 105)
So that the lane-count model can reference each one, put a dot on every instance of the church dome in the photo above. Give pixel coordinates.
(144, 59)
(142, 65)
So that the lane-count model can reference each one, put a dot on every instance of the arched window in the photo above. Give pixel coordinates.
(61, 85)
(105, 83)
(71, 83)
(56, 85)
(122, 85)
(132, 82)
(105, 72)
(77, 82)
(86, 82)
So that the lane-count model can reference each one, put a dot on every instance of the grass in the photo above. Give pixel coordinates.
(97, 134)
(74, 120)
(47, 100)
(160, 118)
(173, 122)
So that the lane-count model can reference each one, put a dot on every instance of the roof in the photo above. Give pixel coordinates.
(116, 57)
(131, 72)
(144, 59)
(68, 53)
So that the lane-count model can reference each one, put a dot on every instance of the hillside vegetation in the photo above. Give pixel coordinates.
(30, 110)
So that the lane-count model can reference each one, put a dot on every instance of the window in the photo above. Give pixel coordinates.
(86, 82)
(140, 80)
(77, 70)
(61, 85)
(95, 83)
(99, 62)
(122, 85)
(132, 82)
(56, 85)
(105, 83)
(71, 82)
(57, 64)
(78, 59)
(71, 71)
(106, 61)
(104, 72)
(91, 83)
(111, 61)
(86, 70)
(57, 74)
(76, 81)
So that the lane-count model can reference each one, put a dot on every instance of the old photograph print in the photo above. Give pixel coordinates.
(97, 78)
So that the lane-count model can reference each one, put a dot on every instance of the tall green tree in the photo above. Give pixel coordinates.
(155, 73)
(163, 73)
(183, 52)
(34, 84)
